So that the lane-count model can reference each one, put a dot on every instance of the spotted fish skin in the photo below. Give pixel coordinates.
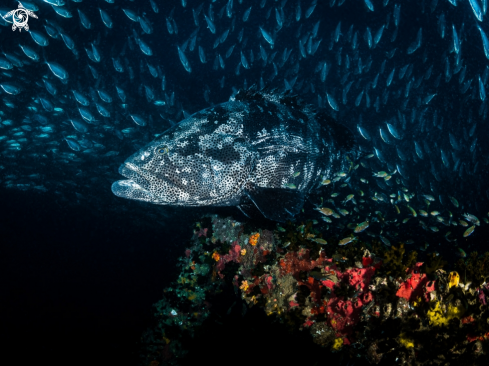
(245, 153)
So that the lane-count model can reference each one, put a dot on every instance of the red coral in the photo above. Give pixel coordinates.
(308, 323)
(416, 285)
(344, 314)
(269, 282)
(367, 261)
(467, 320)
(233, 255)
(293, 304)
(360, 277)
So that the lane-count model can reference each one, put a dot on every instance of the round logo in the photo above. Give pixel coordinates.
(20, 18)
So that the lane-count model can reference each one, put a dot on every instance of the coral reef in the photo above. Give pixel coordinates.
(383, 308)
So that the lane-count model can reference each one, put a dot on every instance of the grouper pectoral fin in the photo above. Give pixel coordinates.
(276, 204)
(248, 208)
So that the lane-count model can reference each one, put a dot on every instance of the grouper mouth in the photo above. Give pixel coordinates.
(129, 188)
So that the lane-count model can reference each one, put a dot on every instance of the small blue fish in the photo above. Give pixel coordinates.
(267, 36)
(476, 9)
(154, 6)
(65, 13)
(485, 42)
(456, 41)
(73, 144)
(244, 62)
(80, 98)
(210, 24)
(369, 4)
(58, 70)
(102, 110)
(5, 64)
(393, 131)
(184, 60)
(29, 52)
(85, 22)
(145, 25)
(138, 120)
(39, 38)
(246, 14)
(104, 96)
(10, 88)
(106, 18)
(68, 41)
(95, 53)
(117, 65)
(364, 133)
(121, 94)
(86, 115)
(49, 87)
(332, 103)
(482, 91)
(79, 125)
(131, 15)
(46, 104)
(144, 48)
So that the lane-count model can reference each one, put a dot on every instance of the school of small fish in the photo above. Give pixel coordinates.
(92, 82)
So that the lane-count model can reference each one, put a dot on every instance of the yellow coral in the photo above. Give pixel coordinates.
(243, 251)
(417, 302)
(254, 239)
(437, 318)
(405, 341)
(338, 343)
(455, 311)
(454, 278)
(244, 285)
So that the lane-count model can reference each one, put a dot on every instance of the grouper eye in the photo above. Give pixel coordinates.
(161, 150)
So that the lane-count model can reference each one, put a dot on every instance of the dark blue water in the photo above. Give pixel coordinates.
(82, 267)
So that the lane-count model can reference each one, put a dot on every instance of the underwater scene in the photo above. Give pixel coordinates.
(244, 181)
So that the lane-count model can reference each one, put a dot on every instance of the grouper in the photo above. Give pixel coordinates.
(261, 151)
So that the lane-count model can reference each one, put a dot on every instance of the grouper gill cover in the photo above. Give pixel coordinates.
(260, 150)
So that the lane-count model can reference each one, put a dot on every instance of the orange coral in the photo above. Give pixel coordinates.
(244, 285)
(254, 239)
(216, 256)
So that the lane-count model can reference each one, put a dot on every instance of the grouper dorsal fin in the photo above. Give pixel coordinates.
(286, 98)
(277, 204)
(341, 134)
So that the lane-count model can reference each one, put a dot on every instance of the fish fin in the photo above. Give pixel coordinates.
(277, 204)
(248, 208)
(339, 132)
(286, 98)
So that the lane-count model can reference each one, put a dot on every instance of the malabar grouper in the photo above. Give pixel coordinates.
(261, 151)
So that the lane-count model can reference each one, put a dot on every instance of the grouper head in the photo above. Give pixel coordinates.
(195, 163)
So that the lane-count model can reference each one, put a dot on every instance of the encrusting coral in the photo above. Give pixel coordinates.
(381, 307)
